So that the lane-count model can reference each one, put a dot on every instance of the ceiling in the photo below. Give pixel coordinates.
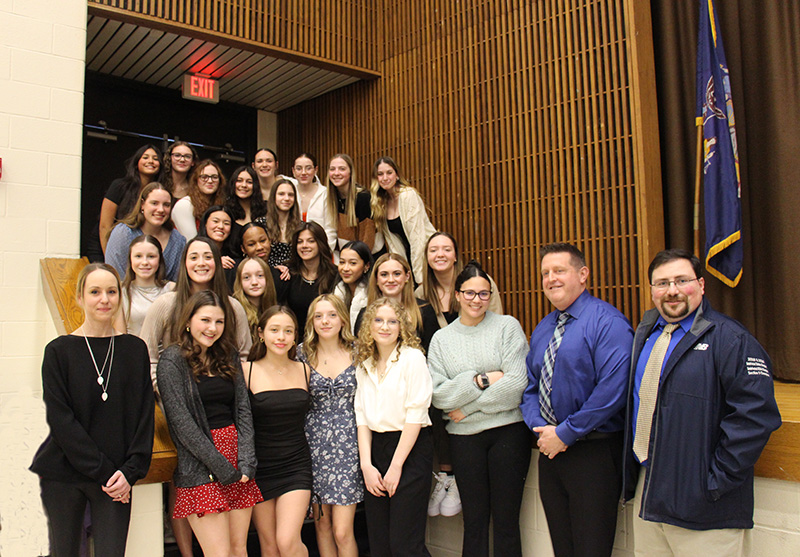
(161, 58)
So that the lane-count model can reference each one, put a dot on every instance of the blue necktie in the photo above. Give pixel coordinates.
(546, 380)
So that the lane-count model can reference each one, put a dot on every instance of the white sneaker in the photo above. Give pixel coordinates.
(439, 492)
(451, 504)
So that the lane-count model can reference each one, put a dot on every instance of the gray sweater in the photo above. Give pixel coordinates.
(458, 352)
(199, 462)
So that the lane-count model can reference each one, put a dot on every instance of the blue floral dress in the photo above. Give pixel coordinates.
(333, 439)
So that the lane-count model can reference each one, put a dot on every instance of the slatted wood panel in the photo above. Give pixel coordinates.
(339, 30)
(521, 124)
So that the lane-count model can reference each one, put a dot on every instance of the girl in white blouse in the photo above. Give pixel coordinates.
(394, 441)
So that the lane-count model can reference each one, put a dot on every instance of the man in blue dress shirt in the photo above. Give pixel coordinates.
(577, 373)
(700, 409)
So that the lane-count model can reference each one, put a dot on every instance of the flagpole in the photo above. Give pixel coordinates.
(698, 176)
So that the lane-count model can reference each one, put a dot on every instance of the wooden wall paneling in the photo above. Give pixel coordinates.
(518, 124)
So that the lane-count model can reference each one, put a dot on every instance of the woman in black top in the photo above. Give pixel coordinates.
(283, 218)
(243, 199)
(312, 269)
(99, 405)
(141, 169)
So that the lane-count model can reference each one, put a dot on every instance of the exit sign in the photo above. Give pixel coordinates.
(199, 88)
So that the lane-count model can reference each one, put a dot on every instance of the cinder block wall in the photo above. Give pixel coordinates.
(42, 51)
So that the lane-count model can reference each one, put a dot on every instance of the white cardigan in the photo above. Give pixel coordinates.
(418, 229)
(183, 217)
(358, 303)
(318, 212)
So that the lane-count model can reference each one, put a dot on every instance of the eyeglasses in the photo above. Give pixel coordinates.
(179, 157)
(484, 295)
(304, 169)
(209, 177)
(680, 283)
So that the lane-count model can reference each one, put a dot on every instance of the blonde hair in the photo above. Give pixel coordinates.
(352, 193)
(365, 346)
(268, 298)
(88, 270)
(311, 338)
(408, 299)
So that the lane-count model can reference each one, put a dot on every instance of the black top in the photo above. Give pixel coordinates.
(120, 193)
(298, 294)
(426, 330)
(396, 227)
(218, 396)
(284, 459)
(90, 439)
(363, 208)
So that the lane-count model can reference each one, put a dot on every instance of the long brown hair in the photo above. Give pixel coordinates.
(220, 354)
(130, 276)
(201, 201)
(183, 286)
(365, 346)
(166, 166)
(135, 219)
(311, 338)
(327, 272)
(409, 300)
(273, 223)
(259, 350)
(268, 298)
(430, 282)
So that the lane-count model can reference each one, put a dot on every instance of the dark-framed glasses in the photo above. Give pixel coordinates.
(483, 295)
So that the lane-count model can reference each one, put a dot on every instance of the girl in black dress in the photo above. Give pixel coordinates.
(279, 399)
(312, 269)
(99, 405)
(244, 201)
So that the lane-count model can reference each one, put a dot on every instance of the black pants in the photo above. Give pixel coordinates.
(490, 469)
(441, 439)
(65, 504)
(396, 525)
(580, 491)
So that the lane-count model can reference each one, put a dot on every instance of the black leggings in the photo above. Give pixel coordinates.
(491, 467)
(396, 525)
(65, 505)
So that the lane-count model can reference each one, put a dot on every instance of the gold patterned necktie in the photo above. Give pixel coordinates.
(648, 392)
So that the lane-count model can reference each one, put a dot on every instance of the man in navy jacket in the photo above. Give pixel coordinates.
(691, 443)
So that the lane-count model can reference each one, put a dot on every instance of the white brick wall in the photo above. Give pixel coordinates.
(42, 50)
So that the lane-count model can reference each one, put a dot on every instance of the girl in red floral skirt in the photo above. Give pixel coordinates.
(208, 413)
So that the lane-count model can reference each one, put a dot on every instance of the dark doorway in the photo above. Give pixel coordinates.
(154, 111)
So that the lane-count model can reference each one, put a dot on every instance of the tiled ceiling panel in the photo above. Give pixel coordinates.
(248, 78)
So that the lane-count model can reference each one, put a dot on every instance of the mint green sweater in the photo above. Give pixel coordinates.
(458, 352)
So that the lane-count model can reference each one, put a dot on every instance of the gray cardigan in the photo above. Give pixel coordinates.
(199, 462)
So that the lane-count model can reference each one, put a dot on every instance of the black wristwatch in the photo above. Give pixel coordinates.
(483, 381)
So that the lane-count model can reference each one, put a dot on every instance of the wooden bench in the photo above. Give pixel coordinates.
(59, 278)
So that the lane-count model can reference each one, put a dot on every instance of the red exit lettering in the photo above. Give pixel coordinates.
(200, 88)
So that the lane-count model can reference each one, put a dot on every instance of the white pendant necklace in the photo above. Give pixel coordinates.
(102, 381)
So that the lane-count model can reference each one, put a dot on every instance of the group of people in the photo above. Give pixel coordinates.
(318, 344)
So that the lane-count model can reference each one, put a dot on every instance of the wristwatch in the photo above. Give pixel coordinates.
(483, 381)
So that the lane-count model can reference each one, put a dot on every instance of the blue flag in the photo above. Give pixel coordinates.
(723, 187)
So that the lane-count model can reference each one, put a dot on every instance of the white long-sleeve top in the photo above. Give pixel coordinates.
(318, 212)
(401, 397)
(183, 217)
